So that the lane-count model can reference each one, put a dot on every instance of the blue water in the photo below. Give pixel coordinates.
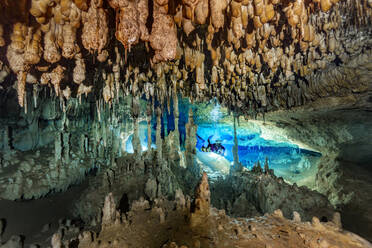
(287, 159)
(252, 147)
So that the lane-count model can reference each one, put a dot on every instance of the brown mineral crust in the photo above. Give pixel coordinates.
(21, 87)
(51, 51)
(33, 50)
(127, 27)
(2, 41)
(55, 77)
(69, 47)
(187, 25)
(115, 4)
(163, 38)
(202, 12)
(161, 6)
(217, 13)
(79, 70)
(143, 10)
(82, 4)
(190, 6)
(95, 30)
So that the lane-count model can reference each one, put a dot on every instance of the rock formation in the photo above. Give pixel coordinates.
(173, 230)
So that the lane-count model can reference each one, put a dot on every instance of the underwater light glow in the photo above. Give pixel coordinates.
(216, 113)
(287, 159)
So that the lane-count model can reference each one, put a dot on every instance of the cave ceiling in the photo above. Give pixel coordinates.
(254, 56)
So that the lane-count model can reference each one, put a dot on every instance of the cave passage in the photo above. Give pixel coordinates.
(288, 160)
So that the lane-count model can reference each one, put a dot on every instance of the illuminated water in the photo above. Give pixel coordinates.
(288, 160)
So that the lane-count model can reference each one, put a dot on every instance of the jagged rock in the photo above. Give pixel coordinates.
(13, 242)
(202, 203)
(109, 210)
(151, 188)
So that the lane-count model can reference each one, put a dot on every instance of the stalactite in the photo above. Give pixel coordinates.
(66, 147)
(6, 144)
(137, 148)
(159, 142)
(165, 123)
(176, 113)
(237, 165)
(82, 144)
(190, 141)
(149, 117)
(58, 147)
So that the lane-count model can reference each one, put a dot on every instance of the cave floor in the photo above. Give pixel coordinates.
(357, 215)
(28, 218)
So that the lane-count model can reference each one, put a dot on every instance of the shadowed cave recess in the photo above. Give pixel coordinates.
(185, 123)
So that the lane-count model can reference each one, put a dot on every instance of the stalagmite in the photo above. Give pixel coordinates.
(109, 211)
(202, 203)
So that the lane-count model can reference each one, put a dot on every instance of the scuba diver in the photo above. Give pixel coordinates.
(213, 147)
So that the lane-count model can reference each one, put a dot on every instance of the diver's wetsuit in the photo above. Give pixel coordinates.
(214, 147)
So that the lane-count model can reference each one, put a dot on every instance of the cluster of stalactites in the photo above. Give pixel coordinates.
(262, 40)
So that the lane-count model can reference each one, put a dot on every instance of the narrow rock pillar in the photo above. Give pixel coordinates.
(159, 142)
(66, 147)
(58, 147)
(149, 116)
(136, 143)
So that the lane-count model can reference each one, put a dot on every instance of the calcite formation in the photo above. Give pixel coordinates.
(202, 203)
(244, 53)
(95, 27)
(173, 229)
(163, 37)
(131, 17)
